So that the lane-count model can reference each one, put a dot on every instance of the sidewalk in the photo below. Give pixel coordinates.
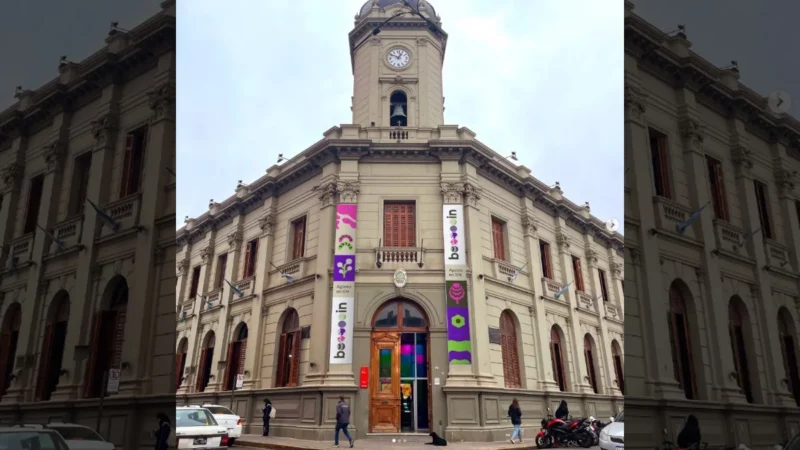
(376, 442)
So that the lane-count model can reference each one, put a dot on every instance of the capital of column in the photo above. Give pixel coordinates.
(635, 102)
(267, 224)
(348, 191)
(12, 176)
(54, 155)
(452, 192)
(162, 101)
(616, 270)
(742, 159)
(207, 253)
(103, 129)
(472, 194)
(182, 266)
(562, 240)
(591, 257)
(530, 226)
(328, 194)
(235, 238)
(784, 179)
(693, 133)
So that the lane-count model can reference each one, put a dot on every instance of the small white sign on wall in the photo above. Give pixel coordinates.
(436, 381)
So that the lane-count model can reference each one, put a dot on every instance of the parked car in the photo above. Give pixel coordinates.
(227, 418)
(23, 438)
(612, 437)
(80, 437)
(196, 428)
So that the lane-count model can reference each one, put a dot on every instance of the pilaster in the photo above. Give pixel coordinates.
(603, 343)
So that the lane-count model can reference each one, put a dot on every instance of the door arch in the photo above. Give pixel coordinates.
(206, 357)
(400, 385)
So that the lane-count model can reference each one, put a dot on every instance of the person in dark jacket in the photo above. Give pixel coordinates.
(342, 421)
(562, 412)
(163, 431)
(267, 410)
(690, 434)
(515, 413)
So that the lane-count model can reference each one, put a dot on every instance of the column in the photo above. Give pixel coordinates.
(139, 325)
(11, 178)
(221, 330)
(541, 331)
(318, 355)
(763, 314)
(82, 299)
(652, 298)
(581, 374)
(711, 289)
(255, 338)
(603, 343)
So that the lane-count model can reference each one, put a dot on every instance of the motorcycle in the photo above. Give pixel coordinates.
(556, 432)
(597, 427)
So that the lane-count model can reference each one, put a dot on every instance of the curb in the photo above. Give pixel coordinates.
(276, 446)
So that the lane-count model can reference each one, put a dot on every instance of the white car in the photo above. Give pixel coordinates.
(17, 438)
(226, 418)
(80, 437)
(196, 428)
(612, 437)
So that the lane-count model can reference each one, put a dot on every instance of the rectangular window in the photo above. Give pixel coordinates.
(399, 224)
(250, 259)
(498, 239)
(298, 238)
(659, 155)
(547, 266)
(222, 266)
(195, 282)
(34, 203)
(577, 273)
(603, 287)
(133, 162)
(762, 200)
(80, 183)
(717, 186)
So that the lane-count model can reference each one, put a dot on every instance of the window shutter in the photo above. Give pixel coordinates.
(548, 262)
(247, 251)
(94, 349)
(508, 339)
(201, 371)
(228, 367)
(44, 363)
(576, 262)
(124, 190)
(664, 163)
(298, 247)
(279, 377)
(242, 355)
(497, 239)
(295, 369)
(223, 263)
(399, 226)
(723, 200)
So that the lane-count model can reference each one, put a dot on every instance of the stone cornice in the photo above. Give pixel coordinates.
(125, 56)
(490, 164)
(717, 88)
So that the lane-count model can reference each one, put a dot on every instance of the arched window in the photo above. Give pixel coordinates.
(740, 360)
(288, 373)
(557, 357)
(786, 331)
(206, 356)
(108, 332)
(589, 356)
(680, 341)
(398, 109)
(236, 357)
(55, 334)
(9, 336)
(180, 362)
(616, 354)
(508, 342)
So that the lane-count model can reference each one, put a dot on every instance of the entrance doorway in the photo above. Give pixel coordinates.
(400, 386)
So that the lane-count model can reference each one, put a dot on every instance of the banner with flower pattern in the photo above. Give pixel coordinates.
(344, 278)
(459, 342)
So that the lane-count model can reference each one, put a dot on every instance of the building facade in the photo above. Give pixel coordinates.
(400, 263)
(724, 287)
(87, 292)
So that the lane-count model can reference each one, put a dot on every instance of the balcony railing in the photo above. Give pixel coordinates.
(728, 236)
(20, 251)
(777, 254)
(69, 232)
(124, 211)
(585, 300)
(550, 288)
(245, 286)
(669, 214)
(397, 257)
(612, 311)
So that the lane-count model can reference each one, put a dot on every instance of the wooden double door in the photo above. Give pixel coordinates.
(400, 386)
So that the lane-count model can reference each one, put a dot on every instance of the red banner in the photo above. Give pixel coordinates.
(364, 377)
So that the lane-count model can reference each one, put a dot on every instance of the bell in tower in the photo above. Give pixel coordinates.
(398, 105)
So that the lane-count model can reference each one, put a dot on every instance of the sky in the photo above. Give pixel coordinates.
(542, 78)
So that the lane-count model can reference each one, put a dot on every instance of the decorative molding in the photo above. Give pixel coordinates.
(206, 254)
(162, 101)
(562, 240)
(472, 194)
(530, 225)
(12, 175)
(235, 238)
(422, 42)
(616, 269)
(635, 102)
(103, 128)
(182, 266)
(452, 192)
(348, 191)
(375, 42)
(328, 195)
(693, 133)
(784, 180)
(267, 224)
(591, 256)
(742, 158)
(635, 255)
(54, 154)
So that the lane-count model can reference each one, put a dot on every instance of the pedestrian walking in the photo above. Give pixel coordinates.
(342, 421)
(268, 414)
(515, 413)
(163, 431)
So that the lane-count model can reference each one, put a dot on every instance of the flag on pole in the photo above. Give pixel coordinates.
(113, 224)
(11, 263)
(288, 278)
(58, 242)
(235, 289)
(563, 289)
(517, 271)
(681, 227)
(749, 236)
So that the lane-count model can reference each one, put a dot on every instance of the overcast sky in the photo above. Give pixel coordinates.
(542, 78)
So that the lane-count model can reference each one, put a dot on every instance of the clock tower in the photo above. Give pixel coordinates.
(397, 51)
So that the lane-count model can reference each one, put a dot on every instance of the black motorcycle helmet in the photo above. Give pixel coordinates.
(544, 423)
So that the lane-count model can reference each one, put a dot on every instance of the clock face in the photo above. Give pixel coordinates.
(398, 58)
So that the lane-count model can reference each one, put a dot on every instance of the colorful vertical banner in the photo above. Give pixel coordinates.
(459, 342)
(344, 278)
